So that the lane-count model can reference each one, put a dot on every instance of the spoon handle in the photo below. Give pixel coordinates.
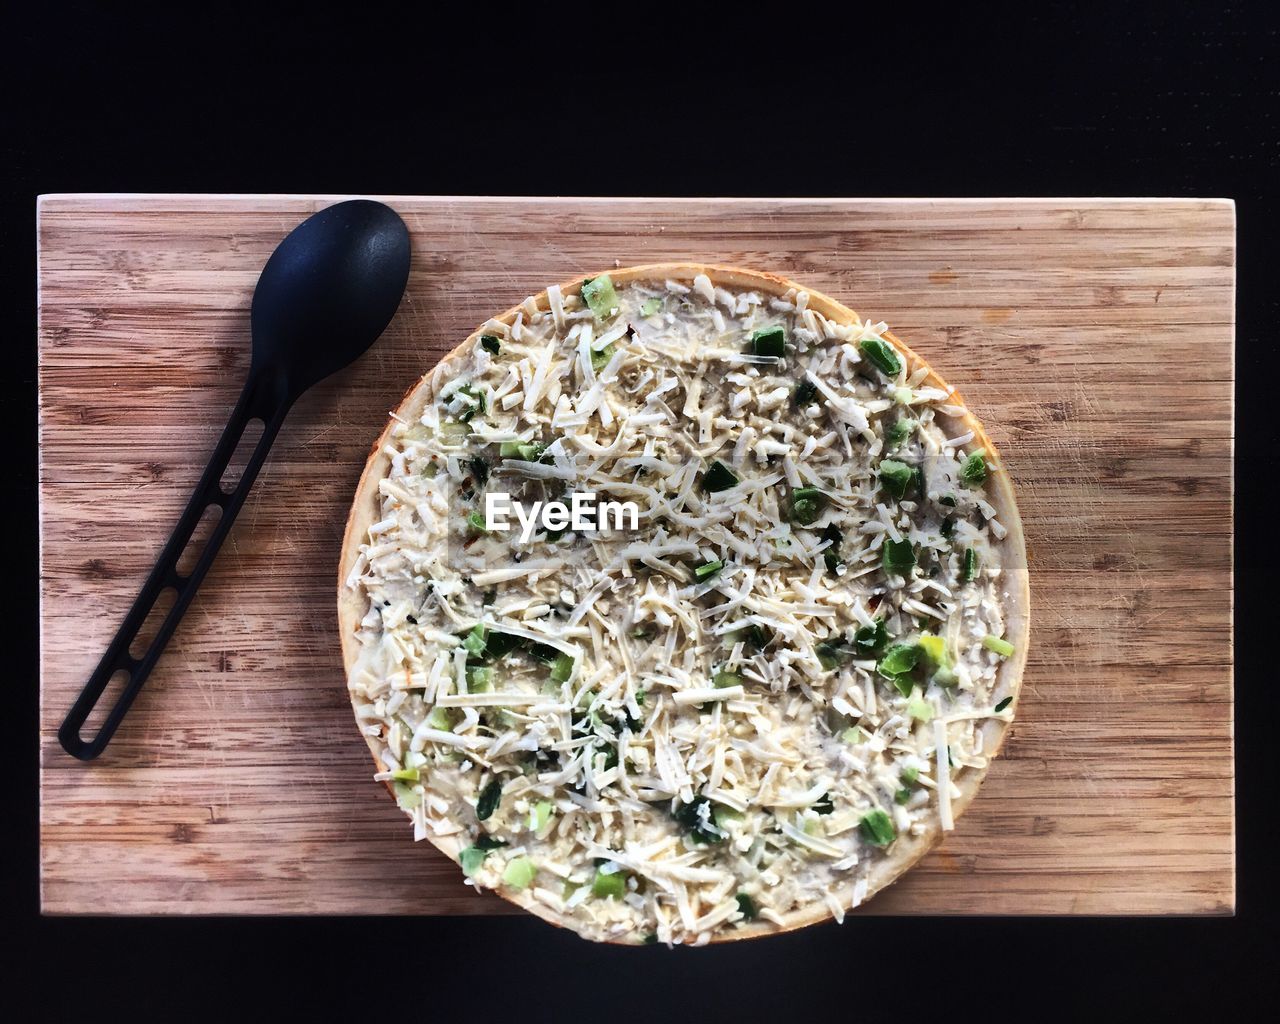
(260, 399)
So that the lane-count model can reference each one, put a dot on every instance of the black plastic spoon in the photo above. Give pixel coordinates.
(326, 294)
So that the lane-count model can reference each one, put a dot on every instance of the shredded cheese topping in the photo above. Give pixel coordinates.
(654, 752)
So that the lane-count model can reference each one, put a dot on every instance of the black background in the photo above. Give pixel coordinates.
(1106, 100)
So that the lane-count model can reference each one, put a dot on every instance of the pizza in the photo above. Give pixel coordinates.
(680, 604)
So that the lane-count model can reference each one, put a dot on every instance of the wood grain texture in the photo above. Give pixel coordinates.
(1093, 338)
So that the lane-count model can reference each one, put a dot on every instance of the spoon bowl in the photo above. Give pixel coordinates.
(328, 292)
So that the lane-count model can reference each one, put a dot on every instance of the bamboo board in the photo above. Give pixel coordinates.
(1093, 338)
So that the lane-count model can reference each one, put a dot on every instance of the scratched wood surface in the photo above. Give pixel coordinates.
(1094, 339)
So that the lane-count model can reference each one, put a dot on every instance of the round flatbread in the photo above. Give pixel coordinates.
(751, 707)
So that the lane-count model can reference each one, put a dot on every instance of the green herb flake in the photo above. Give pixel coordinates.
(969, 568)
(490, 343)
(804, 393)
(881, 355)
(489, 798)
(1003, 704)
(723, 679)
(476, 521)
(747, 907)
(877, 828)
(476, 407)
(697, 822)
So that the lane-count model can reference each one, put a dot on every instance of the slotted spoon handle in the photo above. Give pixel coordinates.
(261, 399)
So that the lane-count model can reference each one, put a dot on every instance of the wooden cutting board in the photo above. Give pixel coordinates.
(1093, 338)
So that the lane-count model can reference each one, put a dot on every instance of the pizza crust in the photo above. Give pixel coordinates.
(907, 849)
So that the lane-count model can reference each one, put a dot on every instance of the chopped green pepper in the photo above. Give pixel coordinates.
(895, 477)
(474, 641)
(707, 569)
(600, 358)
(869, 641)
(970, 570)
(877, 828)
(562, 669)
(599, 295)
(882, 356)
(769, 341)
(746, 906)
(898, 660)
(974, 470)
(520, 873)
(473, 856)
(997, 646)
(718, 477)
(479, 679)
(722, 679)
(611, 886)
(650, 306)
(920, 709)
(898, 557)
(898, 432)
(476, 521)
(807, 504)
(490, 343)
